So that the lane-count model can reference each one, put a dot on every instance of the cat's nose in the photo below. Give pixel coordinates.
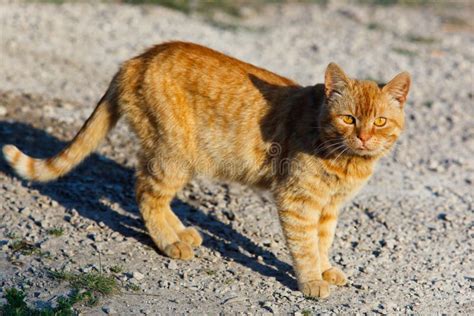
(364, 137)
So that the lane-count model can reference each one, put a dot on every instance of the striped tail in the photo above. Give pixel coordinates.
(102, 120)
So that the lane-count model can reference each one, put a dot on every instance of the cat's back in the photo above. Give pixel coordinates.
(200, 82)
(187, 58)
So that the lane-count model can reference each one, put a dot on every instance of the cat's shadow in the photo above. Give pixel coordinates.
(100, 181)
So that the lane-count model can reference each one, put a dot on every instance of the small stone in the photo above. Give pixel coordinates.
(361, 286)
(267, 242)
(25, 211)
(68, 252)
(93, 236)
(270, 307)
(74, 213)
(109, 310)
(137, 275)
(3, 111)
(445, 217)
(233, 299)
(172, 265)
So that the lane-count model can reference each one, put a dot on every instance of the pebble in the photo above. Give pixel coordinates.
(270, 307)
(3, 111)
(94, 236)
(234, 299)
(109, 310)
(137, 275)
(172, 265)
(445, 217)
(164, 284)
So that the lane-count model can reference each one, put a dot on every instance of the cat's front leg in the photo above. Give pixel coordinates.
(326, 232)
(299, 217)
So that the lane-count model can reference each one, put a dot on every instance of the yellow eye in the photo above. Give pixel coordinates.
(380, 121)
(348, 119)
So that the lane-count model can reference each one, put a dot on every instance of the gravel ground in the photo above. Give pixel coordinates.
(405, 241)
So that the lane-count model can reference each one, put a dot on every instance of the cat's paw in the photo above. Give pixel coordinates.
(179, 250)
(191, 236)
(335, 276)
(317, 288)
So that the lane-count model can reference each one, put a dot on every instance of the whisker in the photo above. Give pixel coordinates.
(322, 145)
(334, 150)
(345, 149)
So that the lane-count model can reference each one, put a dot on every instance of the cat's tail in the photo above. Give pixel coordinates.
(102, 120)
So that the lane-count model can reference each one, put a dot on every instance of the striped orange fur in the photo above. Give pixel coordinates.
(199, 112)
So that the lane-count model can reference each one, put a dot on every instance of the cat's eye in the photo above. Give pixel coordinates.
(380, 121)
(348, 119)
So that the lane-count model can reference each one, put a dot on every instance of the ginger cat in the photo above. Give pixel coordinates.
(199, 112)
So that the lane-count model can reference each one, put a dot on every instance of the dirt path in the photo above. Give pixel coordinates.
(405, 241)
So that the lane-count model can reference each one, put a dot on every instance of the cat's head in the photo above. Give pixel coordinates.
(365, 119)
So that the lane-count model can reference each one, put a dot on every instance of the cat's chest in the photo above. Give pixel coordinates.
(343, 181)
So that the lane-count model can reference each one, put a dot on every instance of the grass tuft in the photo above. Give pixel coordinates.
(395, 2)
(211, 272)
(404, 51)
(116, 269)
(133, 287)
(16, 305)
(56, 231)
(421, 39)
(26, 248)
(87, 288)
(93, 282)
(375, 26)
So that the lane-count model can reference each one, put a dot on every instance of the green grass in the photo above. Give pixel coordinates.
(231, 7)
(375, 26)
(207, 9)
(421, 39)
(306, 312)
(404, 51)
(402, 2)
(87, 289)
(428, 104)
(96, 283)
(16, 305)
(26, 248)
(211, 272)
(116, 269)
(56, 231)
(11, 235)
(133, 287)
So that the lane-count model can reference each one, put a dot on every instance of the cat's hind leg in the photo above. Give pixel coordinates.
(169, 234)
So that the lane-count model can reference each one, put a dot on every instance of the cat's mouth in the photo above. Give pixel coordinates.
(366, 152)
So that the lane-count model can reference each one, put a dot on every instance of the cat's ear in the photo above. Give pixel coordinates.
(398, 87)
(335, 80)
